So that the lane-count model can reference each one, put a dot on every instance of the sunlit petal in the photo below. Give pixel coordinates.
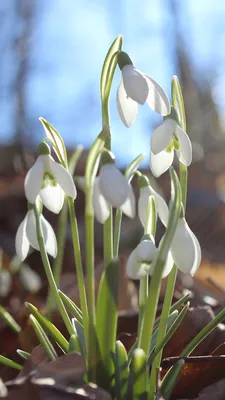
(135, 269)
(100, 204)
(135, 84)
(162, 136)
(22, 243)
(5, 282)
(185, 152)
(33, 180)
(52, 197)
(50, 238)
(160, 162)
(30, 279)
(129, 206)
(167, 267)
(31, 230)
(146, 251)
(127, 108)
(113, 185)
(63, 178)
(185, 248)
(157, 97)
(161, 207)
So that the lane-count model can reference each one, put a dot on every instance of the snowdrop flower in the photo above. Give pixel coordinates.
(26, 236)
(50, 180)
(140, 260)
(164, 140)
(145, 191)
(185, 249)
(138, 88)
(122, 190)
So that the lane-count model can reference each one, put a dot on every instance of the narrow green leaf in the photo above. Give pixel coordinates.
(10, 321)
(10, 363)
(107, 316)
(79, 330)
(170, 379)
(74, 344)
(174, 307)
(139, 375)
(109, 65)
(203, 334)
(132, 168)
(55, 137)
(75, 158)
(49, 327)
(169, 333)
(121, 371)
(71, 306)
(43, 338)
(23, 354)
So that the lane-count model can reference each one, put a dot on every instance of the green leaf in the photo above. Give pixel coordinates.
(74, 344)
(57, 141)
(121, 371)
(174, 307)
(109, 66)
(10, 363)
(43, 338)
(132, 168)
(139, 375)
(75, 158)
(23, 354)
(49, 328)
(71, 306)
(170, 379)
(10, 321)
(172, 329)
(107, 316)
(79, 330)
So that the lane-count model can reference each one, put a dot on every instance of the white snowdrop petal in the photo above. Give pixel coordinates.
(5, 283)
(31, 230)
(22, 243)
(184, 248)
(135, 269)
(129, 206)
(53, 198)
(185, 152)
(30, 279)
(160, 162)
(113, 185)
(80, 182)
(135, 84)
(161, 207)
(167, 267)
(146, 251)
(127, 108)
(49, 237)
(33, 180)
(157, 97)
(100, 204)
(162, 136)
(63, 178)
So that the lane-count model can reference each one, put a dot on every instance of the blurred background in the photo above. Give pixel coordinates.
(51, 58)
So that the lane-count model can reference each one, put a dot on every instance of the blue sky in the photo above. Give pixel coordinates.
(68, 44)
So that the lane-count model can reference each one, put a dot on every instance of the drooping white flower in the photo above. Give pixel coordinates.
(185, 248)
(102, 205)
(138, 88)
(161, 206)
(50, 180)
(164, 139)
(26, 236)
(140, 260)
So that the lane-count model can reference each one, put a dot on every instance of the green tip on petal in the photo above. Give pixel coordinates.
(143, 181)
(148, 237)
(43, 149)
(124, 59)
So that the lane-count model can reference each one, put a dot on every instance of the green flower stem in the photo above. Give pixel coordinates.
(58, 262)
(79, 268)
(116, 241)
(162, 328)
(49, 273)
(147, 324)
(150, 229)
